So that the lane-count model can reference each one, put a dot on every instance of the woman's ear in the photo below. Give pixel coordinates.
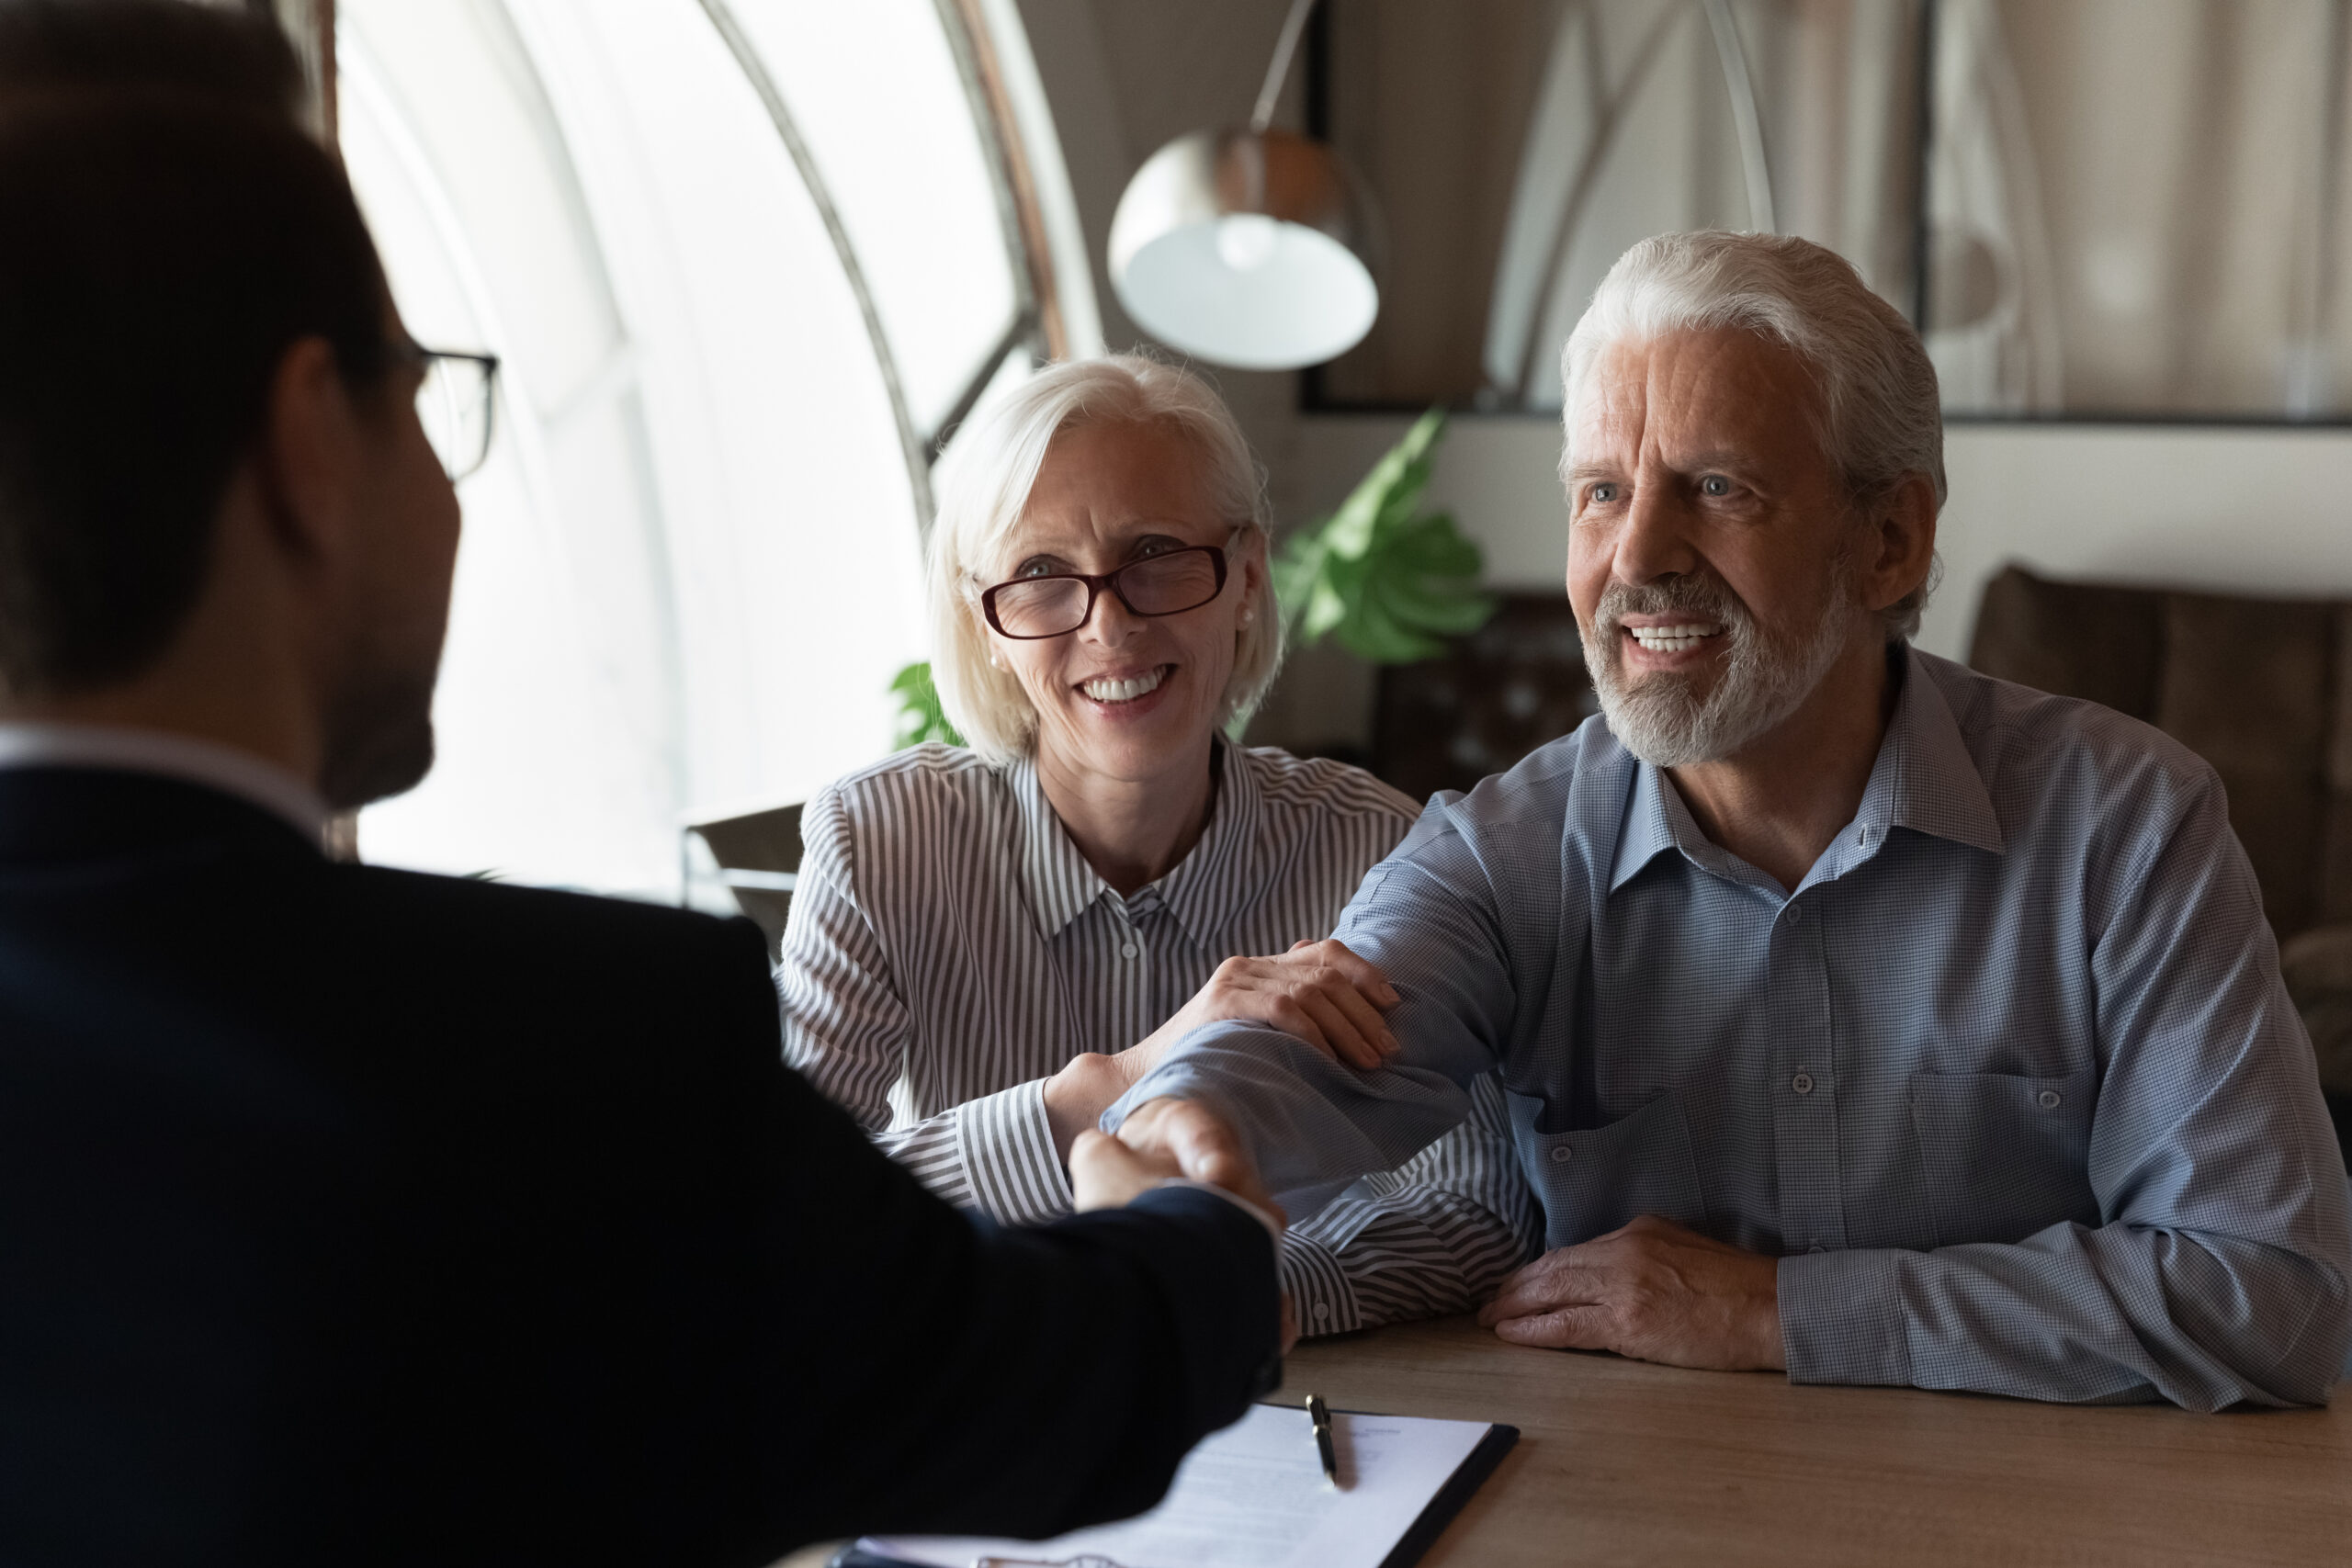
(1251, 556)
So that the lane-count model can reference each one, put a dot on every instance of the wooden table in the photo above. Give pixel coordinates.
(1620, 1463)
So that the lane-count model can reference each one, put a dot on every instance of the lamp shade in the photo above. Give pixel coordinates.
(1252, 248)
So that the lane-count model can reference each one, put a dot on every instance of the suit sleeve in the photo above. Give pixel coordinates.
(920, 1369)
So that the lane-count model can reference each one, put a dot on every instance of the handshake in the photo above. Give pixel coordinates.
(1171, 1140)
(1165, 1139)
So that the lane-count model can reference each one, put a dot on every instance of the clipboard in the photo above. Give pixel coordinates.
(1454, 1496)
(1403, 1453)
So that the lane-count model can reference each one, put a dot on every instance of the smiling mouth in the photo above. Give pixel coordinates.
(1673, 639)
(1129, 689)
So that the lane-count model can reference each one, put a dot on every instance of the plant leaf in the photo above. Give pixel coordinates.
(1389, 579)
(920, 718)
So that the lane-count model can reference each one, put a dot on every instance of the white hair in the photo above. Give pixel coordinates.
(984, 485)
(1881, 419)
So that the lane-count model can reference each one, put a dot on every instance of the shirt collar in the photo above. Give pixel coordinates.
(1200, 893)
(1647, 833)
(1062, 885)
(183, 757)
(1923, 779)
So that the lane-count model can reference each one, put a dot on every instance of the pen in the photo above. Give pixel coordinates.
(1320, 1414)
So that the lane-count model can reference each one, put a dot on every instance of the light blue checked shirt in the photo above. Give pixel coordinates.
(2009, 1084)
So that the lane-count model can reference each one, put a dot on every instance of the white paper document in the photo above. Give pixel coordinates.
(1253, 1497)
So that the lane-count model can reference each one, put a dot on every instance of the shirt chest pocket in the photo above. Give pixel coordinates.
(2005, 1155)
(1593, 1181)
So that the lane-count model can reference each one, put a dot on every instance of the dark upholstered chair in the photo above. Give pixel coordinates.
(2260, 688)
(1497, 694)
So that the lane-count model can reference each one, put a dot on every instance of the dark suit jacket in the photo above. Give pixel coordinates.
(353, 1215)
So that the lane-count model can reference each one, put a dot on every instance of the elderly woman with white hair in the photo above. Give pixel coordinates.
(989, 945)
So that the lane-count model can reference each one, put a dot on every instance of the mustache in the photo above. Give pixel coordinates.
(1704, 596)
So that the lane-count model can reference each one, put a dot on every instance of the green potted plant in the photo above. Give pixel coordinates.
(920, 717)
(1391, 580)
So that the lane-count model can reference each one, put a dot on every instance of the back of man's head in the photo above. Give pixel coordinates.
(159, 254)
(231, 55)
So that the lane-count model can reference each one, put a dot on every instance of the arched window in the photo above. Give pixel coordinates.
(746, 262)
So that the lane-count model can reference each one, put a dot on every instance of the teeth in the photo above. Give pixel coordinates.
(1124, 691)
(1671, 639)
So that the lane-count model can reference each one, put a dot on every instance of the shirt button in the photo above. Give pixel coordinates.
(1128, 951)
(1322, 1311)
(2050, 1099)
(1801, 1083)
(1816, 1247)
(1562, 1154)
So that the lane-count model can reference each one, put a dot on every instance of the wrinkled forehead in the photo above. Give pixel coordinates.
(1720, 389)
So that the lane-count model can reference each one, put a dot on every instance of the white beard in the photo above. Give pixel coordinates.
(1659, 718)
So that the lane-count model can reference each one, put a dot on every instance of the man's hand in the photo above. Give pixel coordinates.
(1200, 1145)
(1652, 1290)
(1318, 992)
(1106, 1174)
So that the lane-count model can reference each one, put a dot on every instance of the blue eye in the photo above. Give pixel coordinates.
(1715, 484)
(1601, 495)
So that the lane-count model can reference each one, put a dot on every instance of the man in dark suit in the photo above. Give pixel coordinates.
(350, 1215)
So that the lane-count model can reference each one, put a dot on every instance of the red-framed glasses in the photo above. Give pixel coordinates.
(1028, 608)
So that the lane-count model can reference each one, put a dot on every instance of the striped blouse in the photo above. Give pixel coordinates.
(950, 949)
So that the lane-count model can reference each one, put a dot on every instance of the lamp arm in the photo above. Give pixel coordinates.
(1278, 70)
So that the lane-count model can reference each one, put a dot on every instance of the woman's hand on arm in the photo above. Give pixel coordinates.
(1318, 992)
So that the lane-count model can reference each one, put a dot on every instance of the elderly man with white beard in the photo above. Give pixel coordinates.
(1862, 1017)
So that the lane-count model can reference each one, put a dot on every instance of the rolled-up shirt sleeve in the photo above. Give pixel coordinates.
(847, 1029)
(2218, 1275)
(1435, 1237)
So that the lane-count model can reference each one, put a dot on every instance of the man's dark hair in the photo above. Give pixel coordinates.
(236, 56)
(159, 254)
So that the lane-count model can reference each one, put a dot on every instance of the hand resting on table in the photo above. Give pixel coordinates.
(1652, 1290)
